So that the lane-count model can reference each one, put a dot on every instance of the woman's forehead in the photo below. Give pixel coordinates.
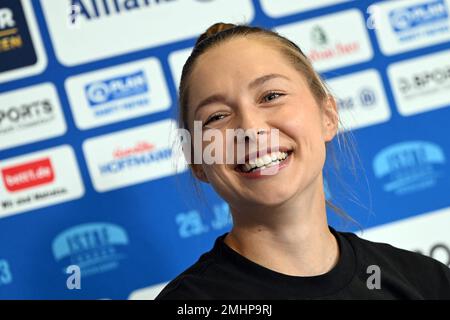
(240, 52)
(238, 60)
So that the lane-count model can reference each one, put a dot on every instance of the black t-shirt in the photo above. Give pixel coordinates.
(365, 270)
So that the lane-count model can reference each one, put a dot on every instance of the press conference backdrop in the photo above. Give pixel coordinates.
(88, 103)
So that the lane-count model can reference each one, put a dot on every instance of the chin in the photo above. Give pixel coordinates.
(270, 198)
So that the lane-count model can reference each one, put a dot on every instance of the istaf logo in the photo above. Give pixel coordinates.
(16, 46)
(95, 247)
(409, 166)
(28, 175)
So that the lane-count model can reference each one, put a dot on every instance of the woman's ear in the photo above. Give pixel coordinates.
(198, 172)
(330, 118)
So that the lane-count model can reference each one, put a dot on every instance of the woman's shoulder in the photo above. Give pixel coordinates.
(391, 252)
(424, 272)
(181, 286)
(193, 281)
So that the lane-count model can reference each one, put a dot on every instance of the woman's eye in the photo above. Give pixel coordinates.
(214, 118)
(271, 96)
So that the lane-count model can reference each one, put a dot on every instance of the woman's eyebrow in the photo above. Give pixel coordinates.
(254, 83)
(259, 81)
(211, 99)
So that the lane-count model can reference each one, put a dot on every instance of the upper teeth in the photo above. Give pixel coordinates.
(265, 161)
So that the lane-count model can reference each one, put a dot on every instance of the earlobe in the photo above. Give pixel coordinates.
(331, 118)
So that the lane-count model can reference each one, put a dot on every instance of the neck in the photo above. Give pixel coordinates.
(292, 238)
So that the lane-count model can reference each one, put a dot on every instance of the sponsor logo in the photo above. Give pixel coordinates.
(406, 25)
(279, 8)
(425, 82)
(30, 114)
(329, 47)
(38, 180)
(94, 247)
(365, 97)
(28, 175)
(326, 49)
(82, 22)
(21, 50)
(431, 16)
(409, 166)
(361, 99)
(140, 154)
(118, 93)
(96, 9)
(421, 84)
(132, 156)
(110, 96)
(117, 88)
(16, 46)
(25, 112)
(5, 273)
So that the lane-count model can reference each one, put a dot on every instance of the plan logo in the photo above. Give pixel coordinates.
(420, 20)
(95, 247)
(118, 93)
(409, 166)
(117, 88)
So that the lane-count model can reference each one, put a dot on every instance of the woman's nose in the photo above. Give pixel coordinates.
(250, 117)
(252, 123)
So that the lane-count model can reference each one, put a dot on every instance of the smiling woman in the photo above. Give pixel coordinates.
(280, 245)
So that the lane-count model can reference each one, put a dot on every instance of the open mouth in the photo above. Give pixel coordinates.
(266, 161)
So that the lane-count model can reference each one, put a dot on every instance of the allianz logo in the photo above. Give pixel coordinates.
(124, 86)
(409, 166)
(96, 9)
(94, 247)
(415, 16)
